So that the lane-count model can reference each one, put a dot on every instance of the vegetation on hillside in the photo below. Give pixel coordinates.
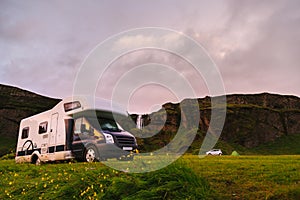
(16, 104)
(255, 124)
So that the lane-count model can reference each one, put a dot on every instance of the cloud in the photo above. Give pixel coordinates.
(147, 68)
(166, 41)
(255, 44)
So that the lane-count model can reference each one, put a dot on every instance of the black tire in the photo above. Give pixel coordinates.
(36, 160)
(90, 154)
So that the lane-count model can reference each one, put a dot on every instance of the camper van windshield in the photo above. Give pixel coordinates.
(105, 124)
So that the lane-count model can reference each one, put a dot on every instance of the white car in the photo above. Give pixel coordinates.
(217, 152)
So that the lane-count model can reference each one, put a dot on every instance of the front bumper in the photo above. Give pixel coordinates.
(112, 151)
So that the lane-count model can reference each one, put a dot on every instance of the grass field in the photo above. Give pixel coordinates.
(212, 177)
(250, 177)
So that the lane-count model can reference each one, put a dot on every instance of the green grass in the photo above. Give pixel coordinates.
(211, 177)
(288, 144)
(96, 181)
(250, 177)
(285, 145)
(7, 145)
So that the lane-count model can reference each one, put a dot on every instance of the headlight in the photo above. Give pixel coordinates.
(108, 138)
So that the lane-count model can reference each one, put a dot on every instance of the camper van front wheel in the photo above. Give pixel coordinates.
(90, 154)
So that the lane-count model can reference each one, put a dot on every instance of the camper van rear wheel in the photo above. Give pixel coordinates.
(36, 160)
(90, 154)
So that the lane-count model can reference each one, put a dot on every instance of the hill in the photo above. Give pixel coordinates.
(16, 104)
(255, 124)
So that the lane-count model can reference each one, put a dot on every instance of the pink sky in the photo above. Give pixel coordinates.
(255, 44)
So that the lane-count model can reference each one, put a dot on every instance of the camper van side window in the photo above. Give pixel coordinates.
(43, 127)
(25, 133)
(72, 106)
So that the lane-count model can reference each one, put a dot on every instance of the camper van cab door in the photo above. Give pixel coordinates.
(53, 131)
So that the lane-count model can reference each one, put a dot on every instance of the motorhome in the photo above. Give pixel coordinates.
(74, 129)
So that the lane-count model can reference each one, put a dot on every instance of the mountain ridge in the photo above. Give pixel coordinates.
(252, 120)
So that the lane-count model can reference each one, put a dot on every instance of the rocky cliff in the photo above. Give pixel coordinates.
(251, 120)
(257, 119)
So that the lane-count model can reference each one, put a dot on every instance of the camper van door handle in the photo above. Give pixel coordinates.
(51, 130)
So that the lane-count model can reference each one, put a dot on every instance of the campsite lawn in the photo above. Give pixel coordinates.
(211, 177)
(250, 177)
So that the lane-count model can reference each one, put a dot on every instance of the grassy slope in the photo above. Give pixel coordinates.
(225, 177)
(16, 104)
(288, 145)
(7, 145)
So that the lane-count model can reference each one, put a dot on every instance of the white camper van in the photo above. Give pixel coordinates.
(74, 129)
